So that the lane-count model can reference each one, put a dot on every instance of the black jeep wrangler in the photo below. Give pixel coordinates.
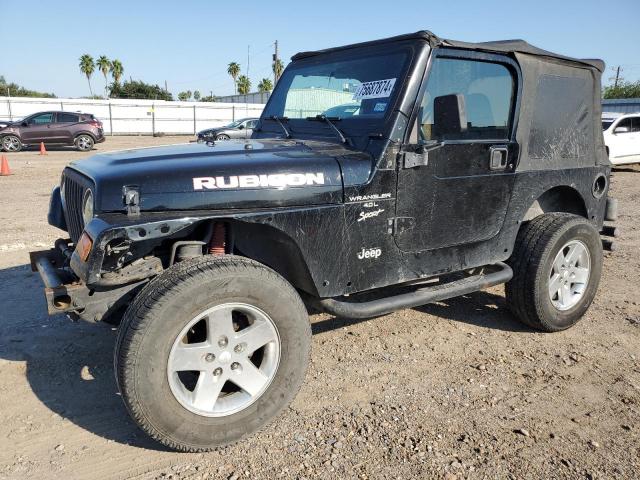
(434, 167)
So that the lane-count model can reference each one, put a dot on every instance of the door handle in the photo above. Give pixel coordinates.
(498, 157)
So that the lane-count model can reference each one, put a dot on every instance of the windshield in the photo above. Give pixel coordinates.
(606, 124)
(233, 124)
(359, 87)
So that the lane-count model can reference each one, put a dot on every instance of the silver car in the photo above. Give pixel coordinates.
(242, 128)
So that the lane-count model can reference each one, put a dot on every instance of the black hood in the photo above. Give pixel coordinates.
(229, 174)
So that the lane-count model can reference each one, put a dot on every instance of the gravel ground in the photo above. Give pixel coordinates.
(453, 390)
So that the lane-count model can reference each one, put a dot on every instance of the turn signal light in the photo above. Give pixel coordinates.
(84, 246)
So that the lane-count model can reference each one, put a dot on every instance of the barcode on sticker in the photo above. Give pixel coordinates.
(375, 89)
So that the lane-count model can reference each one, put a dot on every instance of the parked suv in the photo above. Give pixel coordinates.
(465, 166)
(242, 128)
(622, 137)
(82, 130)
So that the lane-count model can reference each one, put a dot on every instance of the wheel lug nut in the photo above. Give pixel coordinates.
(210, 357)
(235, 366)
(217, 372)
(223, 341)
(238, 348)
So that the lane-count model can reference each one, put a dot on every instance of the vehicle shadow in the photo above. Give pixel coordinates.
(68, 365)
(53, 148)
(483, 309)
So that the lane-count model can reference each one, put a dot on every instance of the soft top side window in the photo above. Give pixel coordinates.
(484, 92)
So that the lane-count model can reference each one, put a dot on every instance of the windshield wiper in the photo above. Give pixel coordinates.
(279, 121)
(325, 119)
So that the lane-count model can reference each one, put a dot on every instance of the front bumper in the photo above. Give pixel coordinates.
(66, 293)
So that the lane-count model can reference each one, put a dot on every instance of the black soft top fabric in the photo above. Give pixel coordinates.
(501, 46)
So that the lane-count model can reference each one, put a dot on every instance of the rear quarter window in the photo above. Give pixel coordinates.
(562, 118)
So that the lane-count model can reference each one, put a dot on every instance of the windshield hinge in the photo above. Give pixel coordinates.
(398, 225)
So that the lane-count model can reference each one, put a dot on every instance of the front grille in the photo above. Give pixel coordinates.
(75, 185)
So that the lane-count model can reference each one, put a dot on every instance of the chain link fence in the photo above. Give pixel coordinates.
(136, 117)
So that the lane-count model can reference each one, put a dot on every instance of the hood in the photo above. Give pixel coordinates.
(229, 174)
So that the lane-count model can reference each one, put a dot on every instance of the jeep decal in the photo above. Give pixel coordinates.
(277, 180)
(372, 213)
(373, 252)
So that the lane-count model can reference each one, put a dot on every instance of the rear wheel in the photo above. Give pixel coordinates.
(211, 351)
(557, 263)
(11, 143)
(84, 143)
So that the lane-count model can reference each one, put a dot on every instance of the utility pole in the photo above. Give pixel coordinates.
(165, 87)
(248, 47)
(275, 63)
(615, 85)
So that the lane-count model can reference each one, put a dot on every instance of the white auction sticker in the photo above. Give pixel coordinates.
(375, 89)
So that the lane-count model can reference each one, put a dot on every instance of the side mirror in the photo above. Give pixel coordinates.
(449, 115)
(24, 124)
(240, 127)
(621, 130)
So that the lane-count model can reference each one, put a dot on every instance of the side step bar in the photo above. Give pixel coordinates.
(422, 296)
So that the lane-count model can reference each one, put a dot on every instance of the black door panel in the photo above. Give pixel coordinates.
(455, 199)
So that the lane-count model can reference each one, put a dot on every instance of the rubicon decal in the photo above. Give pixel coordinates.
(373, 252)
(276, 180)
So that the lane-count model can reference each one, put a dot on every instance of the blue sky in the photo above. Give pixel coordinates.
(190, 43)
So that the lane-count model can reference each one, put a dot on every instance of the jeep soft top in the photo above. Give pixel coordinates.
(455, 167)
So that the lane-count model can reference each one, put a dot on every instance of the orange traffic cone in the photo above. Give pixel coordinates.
(4, 167)
(43, 151)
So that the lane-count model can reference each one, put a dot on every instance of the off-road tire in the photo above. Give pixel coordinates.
(537, 244)
(152, 322)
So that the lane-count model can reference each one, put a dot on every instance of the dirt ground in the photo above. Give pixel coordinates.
(457, 389)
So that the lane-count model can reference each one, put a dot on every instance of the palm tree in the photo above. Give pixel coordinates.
(278, 67)
(87, 67)
(116, 70)
(265, 85)
(244, 84)
(196, 95)
(104, 65)
(234, 70)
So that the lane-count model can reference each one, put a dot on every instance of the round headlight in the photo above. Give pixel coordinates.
(87, 207)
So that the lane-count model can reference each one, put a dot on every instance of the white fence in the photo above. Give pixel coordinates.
(136, 117)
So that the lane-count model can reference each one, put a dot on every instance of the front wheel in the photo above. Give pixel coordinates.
(84, 143)
(223, 136)
(557, 263)
(11, 143)
(211, 351)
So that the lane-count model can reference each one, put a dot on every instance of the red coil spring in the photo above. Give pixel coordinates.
(218, 244)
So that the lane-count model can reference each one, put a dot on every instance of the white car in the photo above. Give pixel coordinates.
(622, 137)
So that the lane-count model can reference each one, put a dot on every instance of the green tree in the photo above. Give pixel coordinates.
(244, 85)
(623, 90)
(234, 70)
(15, 90)
(209, 98)
(87, 67)
(116, 70)
(196, 95)
(104, 65)
(265, 85)
(139, 89)
(184, 96)
(278, 67)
